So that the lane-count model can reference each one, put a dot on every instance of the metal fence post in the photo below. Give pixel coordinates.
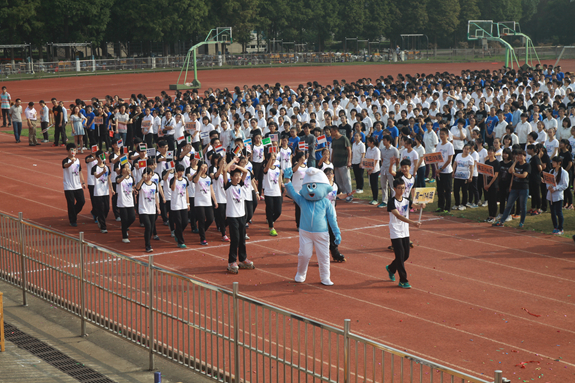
(82, 287)
(22, 260)
(498, 376)
(151, 310)
(346, 373)
(236, 332)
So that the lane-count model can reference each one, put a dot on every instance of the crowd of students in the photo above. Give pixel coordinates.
(192, 159)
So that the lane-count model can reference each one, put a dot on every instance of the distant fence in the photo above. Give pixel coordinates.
(222, 334)
(37, 69)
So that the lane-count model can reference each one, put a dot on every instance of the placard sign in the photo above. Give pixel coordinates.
(424, 195)
(485, 169)
(433, 158)
(549, 179)
(98, 120)
(368, 163)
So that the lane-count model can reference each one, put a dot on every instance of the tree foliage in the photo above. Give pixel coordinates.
(315, 22)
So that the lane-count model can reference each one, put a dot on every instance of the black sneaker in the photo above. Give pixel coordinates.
(390, 248)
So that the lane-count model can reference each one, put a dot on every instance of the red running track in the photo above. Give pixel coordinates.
(471, 281)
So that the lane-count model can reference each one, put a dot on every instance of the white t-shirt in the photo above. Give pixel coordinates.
(258, 154)
(101, 186)
(89, 166)
(203, 193)
(235, 197)
(464, 166)
(178, 196)
(147, 198)
(332, 195)
(458, 144)
(446, 151)
(357, 149)
(285, 158)
(271, 182)
(420, 153)
(125, 192)
(72, 174)
(248, 182)
(218, 185)
(398, 228)
(166, 185)
(475, 156)
(191, 186)
(297, 178)
(522, 130)
(551, 146)
(413, 157)
(374, 153)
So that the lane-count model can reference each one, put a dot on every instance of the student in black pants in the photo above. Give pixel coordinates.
(235, 212)
(179, 204)
(504, 180)
(273, 177)
(125, 191)
(102, 191)
(148, 205)
(444, 172)
(73, 184)
(491, 184)
(203, 200)
(190, 172)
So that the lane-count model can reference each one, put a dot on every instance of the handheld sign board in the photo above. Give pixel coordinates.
(485, 169)
(368, 163)
(433, 158)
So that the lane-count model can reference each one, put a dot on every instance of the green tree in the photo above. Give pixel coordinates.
(501, 10)
(352, 19)
(379, 18)
(323, 21)
(19, 21)
(444, 17)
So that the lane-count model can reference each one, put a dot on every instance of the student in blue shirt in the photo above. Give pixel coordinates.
(393, 131)
(90, 125)
(378, 131)
(293, 141)
(491, 122)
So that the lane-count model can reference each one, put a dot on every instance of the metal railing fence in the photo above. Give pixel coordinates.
(222, 334)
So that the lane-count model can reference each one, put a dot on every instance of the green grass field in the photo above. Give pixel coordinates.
(538, 223)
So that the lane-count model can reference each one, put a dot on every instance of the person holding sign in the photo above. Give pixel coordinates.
(462, 176)
(491, 184)
(520, 170)
(374, 155)
(398, 208)
(555, 194)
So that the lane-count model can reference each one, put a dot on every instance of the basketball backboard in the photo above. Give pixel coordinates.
(479, 29)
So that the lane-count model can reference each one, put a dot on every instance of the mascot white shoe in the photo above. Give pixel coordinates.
(316, 211)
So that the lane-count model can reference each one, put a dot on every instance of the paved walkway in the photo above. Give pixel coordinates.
(112, 357)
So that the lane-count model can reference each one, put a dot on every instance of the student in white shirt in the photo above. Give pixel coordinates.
(179, 204)
(218, 183)
(203, 200)
(31, 117)
(420, 165)
(374, 154)
(148, 204)
(523, 129)
(463, 167)
(102, 191)
(125, 190)
(73, 184)
(44, 120)
(272, 182)
(236, 216)
(444, 171)
(357, 155)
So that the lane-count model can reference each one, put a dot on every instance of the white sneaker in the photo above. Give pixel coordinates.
(246, 237)
(173, 234)
(359, 191)
(125, 240)
(455, 207)
(498, 217)
(469, 204)
(484, 204)
(461, 207)
(118, 219)
(349, 199)
(509, 218)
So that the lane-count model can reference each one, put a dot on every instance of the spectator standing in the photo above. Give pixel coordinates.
(341, 159)
(16, 115)
(5, 104)
(31, 118)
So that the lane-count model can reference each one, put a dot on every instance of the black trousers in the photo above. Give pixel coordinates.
(180, 219)
(237, 239)
(473, 191)
(103, 137)
(149, 221)
(543, 190)
(333, 248)
(374, 183)
(44, 128)
(5, 117)
(358, 174)
(220, 217)
(102, 210)
(273, 209)
(255, 201)
(75, 201)
(459, 184)
(482, 192)
(258, 169)
(60, 131)
(91, 193)
(249, 210)
(115, 209)
(128, 216)
(503, 195)
(297, 214)
(164, 207)
(568, 195)
(401, 249)
(491, 196)
(444, 191)
(205, 216)
(192, 214)
(149, 140)
(93, 138)
(535, 191)
(170, 140)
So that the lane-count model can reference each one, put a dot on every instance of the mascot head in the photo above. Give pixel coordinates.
(315, 185)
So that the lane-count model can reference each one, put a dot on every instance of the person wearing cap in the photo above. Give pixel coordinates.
(316, 212)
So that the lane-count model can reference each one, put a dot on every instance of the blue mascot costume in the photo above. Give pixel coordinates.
(316, 211)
